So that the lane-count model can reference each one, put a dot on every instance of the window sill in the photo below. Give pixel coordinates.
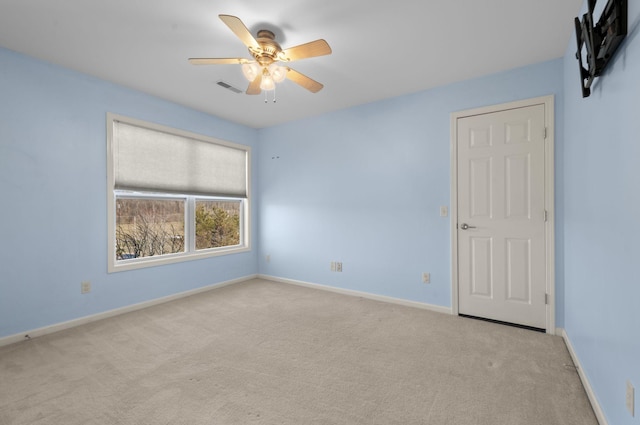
(140, 263)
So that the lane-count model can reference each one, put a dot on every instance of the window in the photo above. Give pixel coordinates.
(147, 226)
(217, 223)
(173, 196)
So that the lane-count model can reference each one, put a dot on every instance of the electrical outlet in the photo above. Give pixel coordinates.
(85, 287)
(339, 266)
(426, 277)
(333, 266)
(444, 211)
(630, 398)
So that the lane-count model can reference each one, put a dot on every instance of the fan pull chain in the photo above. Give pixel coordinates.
(266, 93)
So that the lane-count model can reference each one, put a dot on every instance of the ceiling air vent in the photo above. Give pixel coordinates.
(228, 86)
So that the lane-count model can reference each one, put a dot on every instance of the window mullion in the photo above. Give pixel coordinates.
(190, 224)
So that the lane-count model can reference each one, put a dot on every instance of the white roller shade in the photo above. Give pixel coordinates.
(152, 160)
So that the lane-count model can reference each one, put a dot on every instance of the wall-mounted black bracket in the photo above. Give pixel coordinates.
(599, 40)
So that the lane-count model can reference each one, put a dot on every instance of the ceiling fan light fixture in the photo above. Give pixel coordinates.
(277, 72)
(267, 83)
(250, 70)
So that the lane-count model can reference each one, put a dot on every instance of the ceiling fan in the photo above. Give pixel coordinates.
(264, 71)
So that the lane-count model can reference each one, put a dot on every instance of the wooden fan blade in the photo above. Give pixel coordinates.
(307, 50)
(254, 86)
(306, 82)
(240, 30)
(218, 61)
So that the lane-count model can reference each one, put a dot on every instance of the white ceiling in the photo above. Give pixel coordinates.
(381, 49)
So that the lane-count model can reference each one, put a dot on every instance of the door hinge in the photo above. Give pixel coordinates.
(546, 299)
(544, 133)
(546, 216)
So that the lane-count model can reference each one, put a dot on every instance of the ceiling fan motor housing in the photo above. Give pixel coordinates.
(269, 48)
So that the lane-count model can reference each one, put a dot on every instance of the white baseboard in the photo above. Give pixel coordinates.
(602, 420)
(22, 336)
(383, 298)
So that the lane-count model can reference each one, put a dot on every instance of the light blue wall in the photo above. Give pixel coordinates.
(364, 185)
(602, 223)
(53, 221)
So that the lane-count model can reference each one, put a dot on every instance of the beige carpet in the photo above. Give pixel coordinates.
(269, 353)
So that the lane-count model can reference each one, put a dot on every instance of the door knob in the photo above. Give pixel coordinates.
(465, 226)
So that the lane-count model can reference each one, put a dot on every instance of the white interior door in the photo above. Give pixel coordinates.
(501, 216)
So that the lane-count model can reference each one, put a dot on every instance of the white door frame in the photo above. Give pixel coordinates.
(549, 187)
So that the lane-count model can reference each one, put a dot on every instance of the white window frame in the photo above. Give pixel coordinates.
(114, 265)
